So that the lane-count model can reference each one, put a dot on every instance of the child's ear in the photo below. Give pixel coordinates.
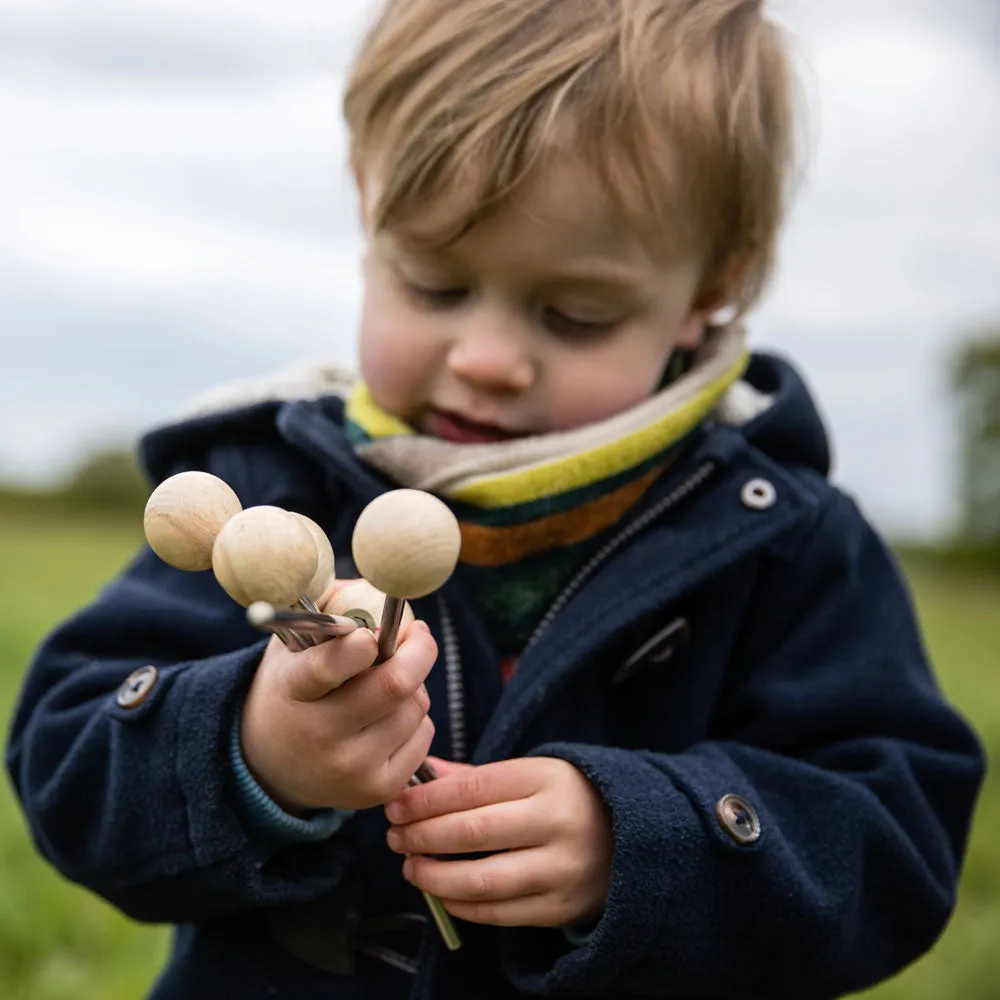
(715, 303)
(692, 331)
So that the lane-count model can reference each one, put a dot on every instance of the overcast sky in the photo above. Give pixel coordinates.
(175, 211)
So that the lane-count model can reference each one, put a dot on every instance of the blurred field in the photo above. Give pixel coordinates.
(59, 943)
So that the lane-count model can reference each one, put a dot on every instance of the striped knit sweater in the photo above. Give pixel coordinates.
(534, 510)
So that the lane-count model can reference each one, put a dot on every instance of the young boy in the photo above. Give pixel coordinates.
(688, 741)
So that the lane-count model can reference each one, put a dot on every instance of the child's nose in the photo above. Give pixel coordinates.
(492, 355)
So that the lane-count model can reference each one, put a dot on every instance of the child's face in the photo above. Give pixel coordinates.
(546, 316)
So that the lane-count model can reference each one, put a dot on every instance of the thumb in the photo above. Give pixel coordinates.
(314, 672)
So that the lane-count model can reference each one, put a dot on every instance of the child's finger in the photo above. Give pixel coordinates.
(538, 910)
(313, 673)
(502, 826)
(500, 876)
(382, 690)
(383, 738)
(404, 762)
(466, 788)
(444, 767)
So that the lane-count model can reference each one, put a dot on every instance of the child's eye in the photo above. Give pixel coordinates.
(446, 296)
(564, 325)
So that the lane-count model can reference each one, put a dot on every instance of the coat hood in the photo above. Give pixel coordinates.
(791, 430)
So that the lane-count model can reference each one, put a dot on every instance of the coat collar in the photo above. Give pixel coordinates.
(708, 531)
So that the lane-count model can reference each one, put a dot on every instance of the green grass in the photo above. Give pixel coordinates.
(960, 614)
(58, 942)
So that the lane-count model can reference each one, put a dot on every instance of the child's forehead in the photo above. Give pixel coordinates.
(565, 196)
(560, 209)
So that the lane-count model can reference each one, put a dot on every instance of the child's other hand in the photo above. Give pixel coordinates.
(320, 730)
(547, 821)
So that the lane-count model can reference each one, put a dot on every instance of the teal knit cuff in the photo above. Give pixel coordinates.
(266, 816)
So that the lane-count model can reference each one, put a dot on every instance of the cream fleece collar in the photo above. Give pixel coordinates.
(526, 469)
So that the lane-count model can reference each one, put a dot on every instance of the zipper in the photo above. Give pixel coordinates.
(688, 486)
(452, 654)
(453, 680)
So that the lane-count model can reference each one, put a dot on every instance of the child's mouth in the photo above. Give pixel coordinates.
(452, 427)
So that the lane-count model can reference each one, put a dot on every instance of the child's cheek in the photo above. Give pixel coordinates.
(384, 378)
(596, 393)
(391, 365)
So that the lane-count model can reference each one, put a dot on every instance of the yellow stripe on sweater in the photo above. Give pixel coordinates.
(601, 462)
(368, 415)
(560, 475)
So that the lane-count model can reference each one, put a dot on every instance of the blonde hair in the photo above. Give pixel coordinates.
(684, 108)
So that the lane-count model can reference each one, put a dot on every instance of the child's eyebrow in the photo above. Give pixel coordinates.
(605, 277)
(400, 249)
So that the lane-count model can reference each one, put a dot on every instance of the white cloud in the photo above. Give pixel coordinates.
(177, 210)
(176, 38)
(271, 154)
(893, 249)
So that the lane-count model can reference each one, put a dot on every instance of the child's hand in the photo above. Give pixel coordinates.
(319, 729)
(545, 817)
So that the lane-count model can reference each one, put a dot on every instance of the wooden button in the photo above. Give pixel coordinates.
(137, 687)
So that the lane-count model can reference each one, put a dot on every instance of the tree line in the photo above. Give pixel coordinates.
(976, 383)
(109, 482)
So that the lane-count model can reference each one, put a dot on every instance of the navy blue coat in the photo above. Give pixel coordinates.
(802, 687)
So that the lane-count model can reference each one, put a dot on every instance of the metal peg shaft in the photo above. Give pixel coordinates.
(388, 636)
(392, 617)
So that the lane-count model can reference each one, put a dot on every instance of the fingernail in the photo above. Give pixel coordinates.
(394, 812)
(393, 839)
(408, 869)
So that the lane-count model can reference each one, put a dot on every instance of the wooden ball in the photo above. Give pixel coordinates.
(406, 543)
(183, 516)
(361, 595)
(264, 554)
(324, 576)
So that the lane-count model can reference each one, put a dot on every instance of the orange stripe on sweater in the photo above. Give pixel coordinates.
(484, 545)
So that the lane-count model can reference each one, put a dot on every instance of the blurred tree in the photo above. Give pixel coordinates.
(107, 480)
(976, 379)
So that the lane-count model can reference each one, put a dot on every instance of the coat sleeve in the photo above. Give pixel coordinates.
(139, 804)
(863, 778)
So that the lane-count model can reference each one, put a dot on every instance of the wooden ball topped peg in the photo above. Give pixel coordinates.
(183, 516)
(406, 544)
(265, 554)
(361, 601)
(322, 582)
